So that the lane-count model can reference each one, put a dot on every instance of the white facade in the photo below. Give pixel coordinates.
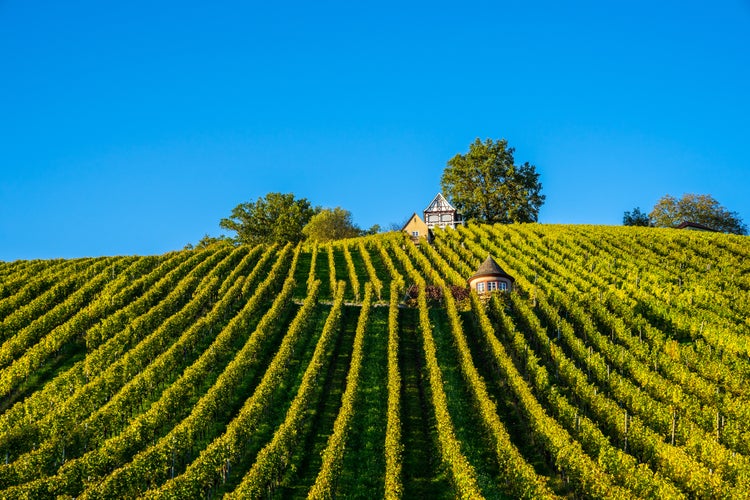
(441, 214)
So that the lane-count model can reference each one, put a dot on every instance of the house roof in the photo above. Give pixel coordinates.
(491, 268)
(439, 204)
(412, 218)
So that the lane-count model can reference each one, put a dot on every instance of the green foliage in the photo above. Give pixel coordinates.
(272, 458)
(698, 208)
(275, 218)
(485, 185)
(636, 218)
(393, 444)
(210, 241)
(331, 224)
(325, 483)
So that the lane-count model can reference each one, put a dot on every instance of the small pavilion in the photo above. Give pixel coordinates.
(490, 277)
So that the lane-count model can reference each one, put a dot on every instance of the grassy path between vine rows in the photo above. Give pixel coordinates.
(363, 468)
(475, 441)
(423, 474)
(307, 460)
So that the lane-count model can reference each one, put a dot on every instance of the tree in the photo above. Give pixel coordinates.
(209, 241)
(331, 224)
(374, 229)
(486, 185)
(700, 208)
(276, 218)
(636, 218)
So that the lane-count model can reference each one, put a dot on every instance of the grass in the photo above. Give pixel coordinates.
(70, 354)
(342, 273)
(476, 444)
(363, 468)
(231, 406)
(321, 273)
(280, 401)
(423, 473)
(301, 273)
(306, 460)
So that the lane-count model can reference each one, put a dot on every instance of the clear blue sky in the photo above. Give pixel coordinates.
(133, 127)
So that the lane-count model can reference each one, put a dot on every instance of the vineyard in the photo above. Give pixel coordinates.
(619, 367)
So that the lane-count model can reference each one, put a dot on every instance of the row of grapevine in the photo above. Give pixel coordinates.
(611, 412)
(393, 444)
(23, 280)
(700, 411)
(88, 312)
(272, 459)
(372, 274)
(520, 478)
(24, 432)
(393, 272)
(57, 390)
(352, 272)
(523, 479)
(63, 432)
(313, 261)
(325, 483)
(623, 468)
(704, 442)
(462, 473)
(659, 388)
(154, 464)
(214, 462)
(86, 287)
(616, 369)
(333, 281)
(27, 308)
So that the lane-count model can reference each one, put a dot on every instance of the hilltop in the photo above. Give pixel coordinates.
(618, 367)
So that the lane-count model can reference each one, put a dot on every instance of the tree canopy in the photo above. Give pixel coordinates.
(275, 218)
(636, 218)
(331, 224)
(209, 241)
(699, 208)
(486, 185)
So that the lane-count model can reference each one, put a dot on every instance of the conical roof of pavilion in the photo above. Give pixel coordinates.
(491, 268)
(440, 204)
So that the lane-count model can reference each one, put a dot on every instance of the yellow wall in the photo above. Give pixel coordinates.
(416, 224)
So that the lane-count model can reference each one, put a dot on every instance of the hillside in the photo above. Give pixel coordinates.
(617, 368)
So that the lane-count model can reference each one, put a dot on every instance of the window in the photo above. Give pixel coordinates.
(446, 217)
(415, 234)
(491, 285)
(503, 286)
(480, 287)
